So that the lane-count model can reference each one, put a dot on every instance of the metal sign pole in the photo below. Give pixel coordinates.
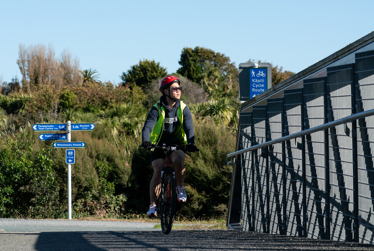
(68, 127)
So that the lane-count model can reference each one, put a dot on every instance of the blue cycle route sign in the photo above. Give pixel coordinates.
(69, 145)
(70, 156)
(257, 81)
(53, 136)
(49, 127)
(82, 127)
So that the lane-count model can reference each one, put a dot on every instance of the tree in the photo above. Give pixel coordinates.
(213, 70)
(278, 75)
(194, 61)
(191, 68)
(39, 66)
(143, 73)
(89, 75)
(13, 86)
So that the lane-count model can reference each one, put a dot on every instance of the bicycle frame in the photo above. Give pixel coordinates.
(167, 167)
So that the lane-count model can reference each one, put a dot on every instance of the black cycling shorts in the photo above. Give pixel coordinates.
(158, 154)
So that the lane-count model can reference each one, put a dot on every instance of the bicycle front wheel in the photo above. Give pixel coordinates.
(168, 200)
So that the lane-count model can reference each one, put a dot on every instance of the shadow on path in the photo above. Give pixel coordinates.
(183, 240)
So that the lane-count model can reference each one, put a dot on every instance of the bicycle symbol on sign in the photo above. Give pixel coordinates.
(260, 74)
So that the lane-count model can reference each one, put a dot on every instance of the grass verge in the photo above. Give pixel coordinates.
(178, 223)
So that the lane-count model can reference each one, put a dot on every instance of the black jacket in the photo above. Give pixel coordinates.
(171, 128)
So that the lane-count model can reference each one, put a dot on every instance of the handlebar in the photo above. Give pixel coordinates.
(170, 147)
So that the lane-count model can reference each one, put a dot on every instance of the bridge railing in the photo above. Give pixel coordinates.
(304, 164)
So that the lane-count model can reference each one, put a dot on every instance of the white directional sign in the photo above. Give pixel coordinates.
(82, 127)
(69, 145)
(70, 156)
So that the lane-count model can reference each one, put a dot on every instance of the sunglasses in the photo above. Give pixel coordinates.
(176, 89)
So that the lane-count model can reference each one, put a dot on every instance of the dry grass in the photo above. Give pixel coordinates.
(178, 224)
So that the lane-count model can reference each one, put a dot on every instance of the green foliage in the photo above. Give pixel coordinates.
(15, 103)
(67, 100)
(190, 64)
(27, 184)
(101, 201)
(143, 73)
(278, 75)
(208, 175)
(89, 75)
(141, 174)
(214, 71)
(45, 99)
(220, 111)
(193, 64)
(13, 87)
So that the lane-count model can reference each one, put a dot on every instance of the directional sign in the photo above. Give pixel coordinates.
(49, 127)
(257, 81)
(69, 145)
(56, 136)
(70, 156)
(82, 127)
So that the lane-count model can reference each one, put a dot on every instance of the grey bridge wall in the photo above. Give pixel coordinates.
(320, 185)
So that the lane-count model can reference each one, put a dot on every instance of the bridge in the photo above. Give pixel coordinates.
(303, 164)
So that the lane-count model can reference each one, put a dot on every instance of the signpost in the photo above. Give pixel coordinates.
(70, 153)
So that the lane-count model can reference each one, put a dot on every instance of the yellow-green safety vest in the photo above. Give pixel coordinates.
(159, 126)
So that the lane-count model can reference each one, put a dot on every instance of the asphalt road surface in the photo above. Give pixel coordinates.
(120, 235)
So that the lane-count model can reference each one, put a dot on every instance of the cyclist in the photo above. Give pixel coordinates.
(169, 121)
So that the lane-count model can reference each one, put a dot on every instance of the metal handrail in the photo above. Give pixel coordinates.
(305, 132)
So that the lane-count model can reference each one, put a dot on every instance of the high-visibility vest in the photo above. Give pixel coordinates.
(159, 126)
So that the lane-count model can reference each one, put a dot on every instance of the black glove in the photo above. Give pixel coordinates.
(191, 148)
(147, 144)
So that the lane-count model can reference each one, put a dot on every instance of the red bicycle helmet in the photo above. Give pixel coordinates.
(168, 81)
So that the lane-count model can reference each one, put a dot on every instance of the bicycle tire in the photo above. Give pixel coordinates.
(168, 201)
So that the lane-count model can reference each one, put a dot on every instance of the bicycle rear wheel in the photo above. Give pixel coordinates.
(168, 200)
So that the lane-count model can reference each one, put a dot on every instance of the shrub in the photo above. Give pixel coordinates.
(67, 100)
(28, 185)
(14, 104)
(111, 175)
(208, 175)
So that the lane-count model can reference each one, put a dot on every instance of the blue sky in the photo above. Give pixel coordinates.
(111, 36)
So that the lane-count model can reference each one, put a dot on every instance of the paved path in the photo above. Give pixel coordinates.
(71, 236)
(19, 225)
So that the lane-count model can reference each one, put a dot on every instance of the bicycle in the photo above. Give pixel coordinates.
(168, 196)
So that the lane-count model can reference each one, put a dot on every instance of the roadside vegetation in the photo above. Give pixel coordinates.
(110, 178)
